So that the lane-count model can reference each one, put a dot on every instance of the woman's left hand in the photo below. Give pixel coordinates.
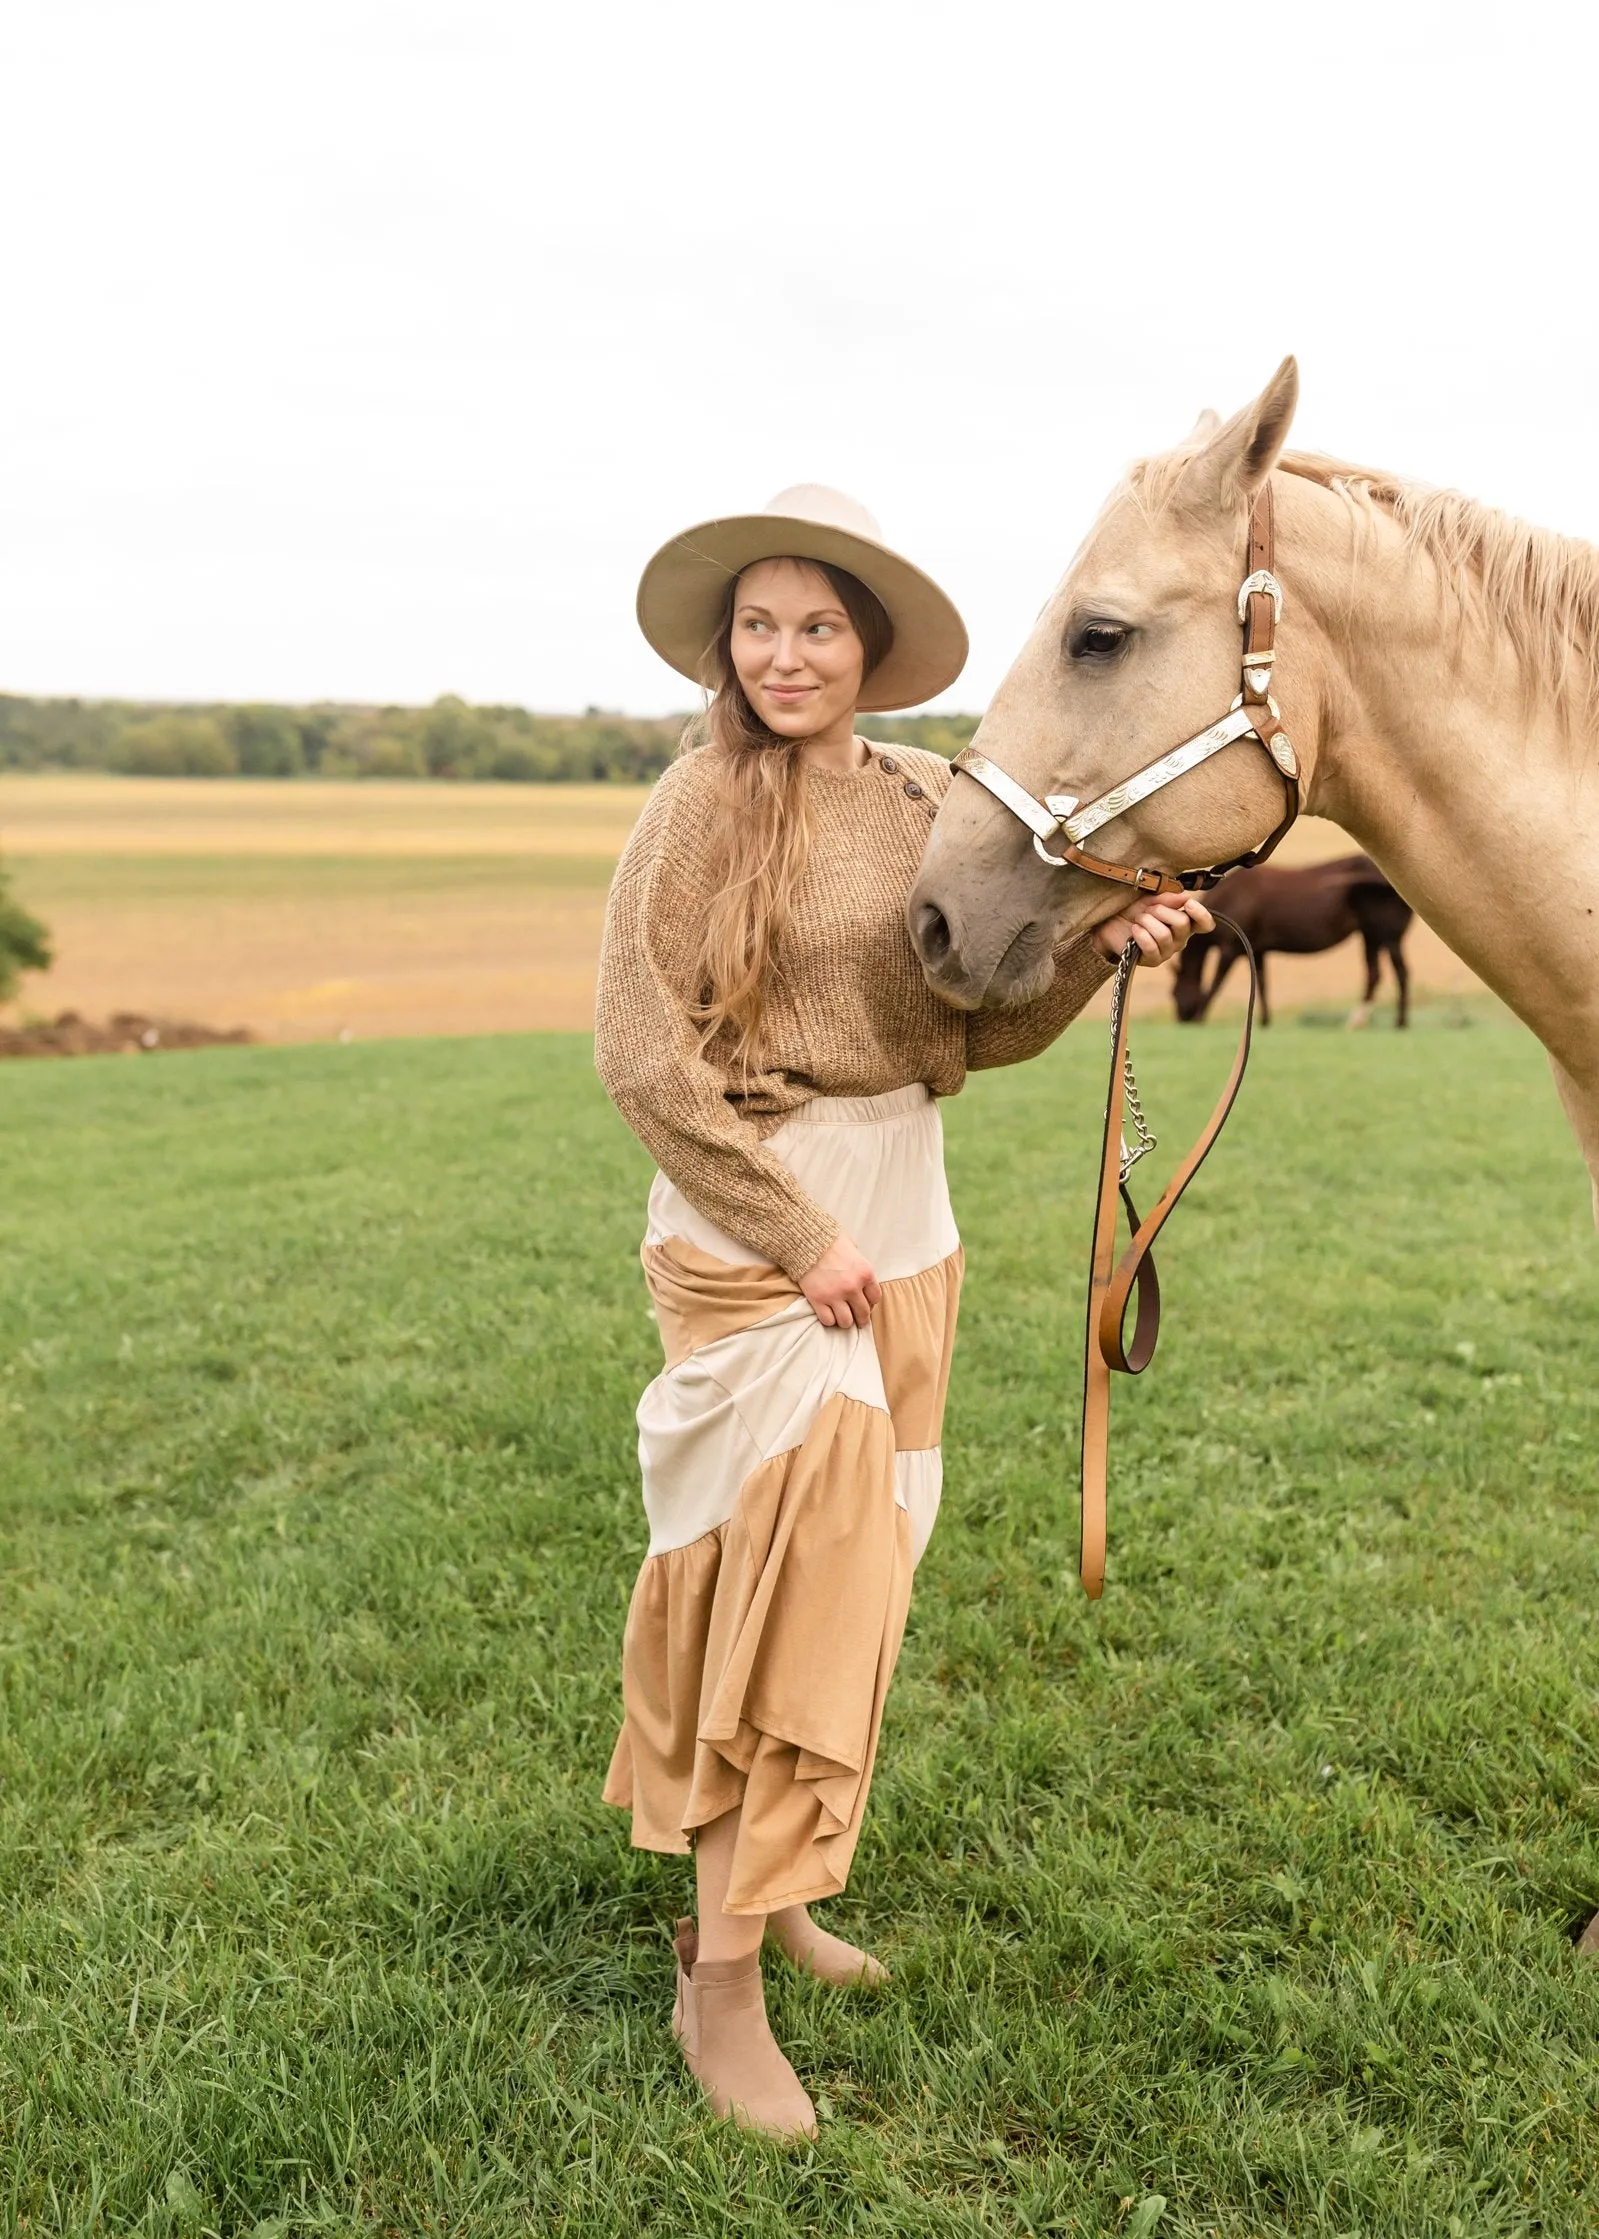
(1161, 926)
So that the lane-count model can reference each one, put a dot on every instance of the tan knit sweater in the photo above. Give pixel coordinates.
(849, 1012)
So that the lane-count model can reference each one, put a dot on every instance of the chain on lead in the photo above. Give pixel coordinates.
(1144, 1137)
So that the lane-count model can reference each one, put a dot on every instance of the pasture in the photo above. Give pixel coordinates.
(1240, 1904)
(309, 909)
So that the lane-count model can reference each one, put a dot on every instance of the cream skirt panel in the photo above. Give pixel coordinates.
(792, 1476)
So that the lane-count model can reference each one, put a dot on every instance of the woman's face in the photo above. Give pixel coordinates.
(795, 650)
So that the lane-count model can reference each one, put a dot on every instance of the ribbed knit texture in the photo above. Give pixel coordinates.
(849, 1012)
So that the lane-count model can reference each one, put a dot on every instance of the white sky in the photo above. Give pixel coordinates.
(366, 348)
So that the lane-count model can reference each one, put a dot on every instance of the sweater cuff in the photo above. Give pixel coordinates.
(1082, 968)
(798, 1241)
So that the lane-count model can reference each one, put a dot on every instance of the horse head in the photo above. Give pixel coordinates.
(1137, 650)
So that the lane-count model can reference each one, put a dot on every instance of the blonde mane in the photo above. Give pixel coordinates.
(1540, 589)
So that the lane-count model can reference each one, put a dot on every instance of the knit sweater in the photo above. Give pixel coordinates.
(848, 1012)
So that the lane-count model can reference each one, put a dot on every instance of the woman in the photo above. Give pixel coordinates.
(766, 1031)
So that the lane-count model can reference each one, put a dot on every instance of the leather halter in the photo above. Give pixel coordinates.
(1253, 715)
(1113, 1283)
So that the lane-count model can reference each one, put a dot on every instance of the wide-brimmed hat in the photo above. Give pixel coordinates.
(682, 594)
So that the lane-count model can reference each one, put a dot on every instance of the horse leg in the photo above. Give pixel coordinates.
(1581, 1101)
(1362, 1010)
(1396, 957)
(1260, 967)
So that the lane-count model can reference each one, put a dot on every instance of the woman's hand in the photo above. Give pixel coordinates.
(1160, 925)
(841, 1286)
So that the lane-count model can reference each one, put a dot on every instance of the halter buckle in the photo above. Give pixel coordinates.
(1263, 581)
(1276, 711)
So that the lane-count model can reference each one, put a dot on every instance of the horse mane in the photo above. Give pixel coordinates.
(1539, 588)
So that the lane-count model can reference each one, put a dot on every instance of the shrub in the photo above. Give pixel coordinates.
(24, 942)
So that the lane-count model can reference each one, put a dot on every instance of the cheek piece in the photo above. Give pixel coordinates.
(1253, 715)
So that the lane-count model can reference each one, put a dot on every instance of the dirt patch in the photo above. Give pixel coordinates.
(125, 1033)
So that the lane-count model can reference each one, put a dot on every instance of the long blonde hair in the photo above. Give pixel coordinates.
(764, 832)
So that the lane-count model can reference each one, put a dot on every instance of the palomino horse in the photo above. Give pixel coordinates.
(1437, 669)
(1300, 912)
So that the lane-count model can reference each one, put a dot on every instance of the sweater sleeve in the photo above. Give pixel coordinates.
(1007, 1037)
(646, 1048)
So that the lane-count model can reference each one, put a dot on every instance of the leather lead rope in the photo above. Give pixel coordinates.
(1112, 1282)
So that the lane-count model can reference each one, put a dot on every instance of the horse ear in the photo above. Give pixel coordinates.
(1241, 453)
(1208, 422)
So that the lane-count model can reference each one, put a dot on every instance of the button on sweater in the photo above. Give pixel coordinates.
(848, 1012)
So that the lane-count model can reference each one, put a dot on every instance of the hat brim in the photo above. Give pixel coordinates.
(683, 591)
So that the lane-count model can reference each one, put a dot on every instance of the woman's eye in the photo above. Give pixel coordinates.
(1097, 641)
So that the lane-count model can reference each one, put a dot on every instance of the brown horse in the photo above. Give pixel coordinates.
(1300, 913)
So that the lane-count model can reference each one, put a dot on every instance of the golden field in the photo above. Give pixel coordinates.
(307, 909)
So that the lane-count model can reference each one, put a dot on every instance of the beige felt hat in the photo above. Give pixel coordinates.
(681, 594)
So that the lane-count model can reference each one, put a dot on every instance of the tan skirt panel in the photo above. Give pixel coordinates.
(698, 1299)
(913, 1326)
(757, 1661)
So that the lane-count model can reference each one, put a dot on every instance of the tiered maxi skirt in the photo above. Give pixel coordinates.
(791, 1480)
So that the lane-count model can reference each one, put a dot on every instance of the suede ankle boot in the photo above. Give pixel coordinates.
(720, 2023)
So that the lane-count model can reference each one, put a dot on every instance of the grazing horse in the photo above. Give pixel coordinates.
(1299, 913)
(1437, 669)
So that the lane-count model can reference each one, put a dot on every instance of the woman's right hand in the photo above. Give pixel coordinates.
(841, 1286)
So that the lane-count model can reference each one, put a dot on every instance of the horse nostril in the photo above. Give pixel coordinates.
(932, 933)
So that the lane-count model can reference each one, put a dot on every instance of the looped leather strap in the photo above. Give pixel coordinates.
(1112, 1282)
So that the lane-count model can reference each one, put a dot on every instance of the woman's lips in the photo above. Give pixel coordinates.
(789, 691)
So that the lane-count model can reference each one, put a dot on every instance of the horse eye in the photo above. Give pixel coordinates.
(1097, 641)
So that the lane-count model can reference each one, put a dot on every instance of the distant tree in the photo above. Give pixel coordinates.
(316, 727)
(24, 942)
(450, 739)
(55, 734)
(267, 741)
(939, 734)
(456, 740)
(390, 754)
(175, 746)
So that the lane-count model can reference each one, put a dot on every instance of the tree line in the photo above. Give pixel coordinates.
(450, 740)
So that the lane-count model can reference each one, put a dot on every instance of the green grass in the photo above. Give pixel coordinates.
(1249, 1891)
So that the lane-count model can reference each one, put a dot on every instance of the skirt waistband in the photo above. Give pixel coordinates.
(846, 1111)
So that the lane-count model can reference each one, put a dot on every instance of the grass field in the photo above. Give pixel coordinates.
(308, 910)
(1239, 1904)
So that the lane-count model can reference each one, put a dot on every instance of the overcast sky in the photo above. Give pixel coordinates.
(365, 349)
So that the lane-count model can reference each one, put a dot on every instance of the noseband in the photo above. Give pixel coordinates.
(1253, 715)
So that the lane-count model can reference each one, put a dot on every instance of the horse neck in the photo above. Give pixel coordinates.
(1430, 750)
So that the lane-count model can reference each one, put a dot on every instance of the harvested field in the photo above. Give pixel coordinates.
(304, 910)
